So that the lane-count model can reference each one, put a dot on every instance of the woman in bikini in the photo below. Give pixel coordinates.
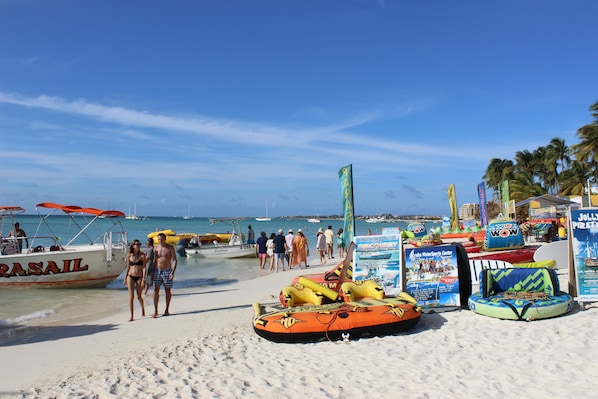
(135, 276)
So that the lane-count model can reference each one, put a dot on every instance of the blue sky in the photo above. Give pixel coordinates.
(222, 106)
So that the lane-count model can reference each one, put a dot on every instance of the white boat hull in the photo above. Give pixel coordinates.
(80, 266)
(222, 251)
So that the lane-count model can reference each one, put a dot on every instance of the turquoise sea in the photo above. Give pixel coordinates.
(28, 308)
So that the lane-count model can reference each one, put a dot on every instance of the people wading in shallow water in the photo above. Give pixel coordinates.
(135, 276)
(165, 264)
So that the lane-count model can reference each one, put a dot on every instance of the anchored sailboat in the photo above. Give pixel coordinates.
(266, 218)
(132, 216)
(188, 214)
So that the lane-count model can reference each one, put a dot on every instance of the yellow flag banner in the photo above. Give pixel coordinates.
(453, 204)
(506, 197)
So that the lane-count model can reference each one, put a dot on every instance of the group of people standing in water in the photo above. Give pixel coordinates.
(154, 267)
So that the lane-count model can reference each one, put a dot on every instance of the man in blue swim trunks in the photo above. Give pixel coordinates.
(165, 264)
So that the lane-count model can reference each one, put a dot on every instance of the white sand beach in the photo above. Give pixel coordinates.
(207, 349)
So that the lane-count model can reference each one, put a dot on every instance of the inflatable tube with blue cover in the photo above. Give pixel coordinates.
(520, 294)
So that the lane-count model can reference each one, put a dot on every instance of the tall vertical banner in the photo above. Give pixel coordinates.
(453, 204)
(482, 204)
(505, 196)
(345, 175)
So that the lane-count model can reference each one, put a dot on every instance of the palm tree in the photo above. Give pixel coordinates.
(522, 187)
(587, 148)
(498, 170)
(555, 168)
(573, 180)
(524, 162)
(561, 151)
(545, 168)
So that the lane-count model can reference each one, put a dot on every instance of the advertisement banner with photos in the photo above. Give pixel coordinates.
(432, 277)
(379, 258)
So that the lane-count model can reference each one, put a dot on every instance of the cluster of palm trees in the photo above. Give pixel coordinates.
(555, 169)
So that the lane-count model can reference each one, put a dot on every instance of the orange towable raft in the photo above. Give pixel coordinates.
(337, 320)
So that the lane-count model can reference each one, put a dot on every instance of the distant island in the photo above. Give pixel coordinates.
(382, 218)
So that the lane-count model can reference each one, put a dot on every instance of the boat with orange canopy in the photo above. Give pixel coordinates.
(49, 261)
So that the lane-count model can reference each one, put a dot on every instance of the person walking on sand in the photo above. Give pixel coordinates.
(165, 265)
(300, 248)
(280, 249)
(329, 233)
(149, 269)
(261, 251)
(134, 278)
(321, 245)
(270, 250)
(340, 243)
(289, 240)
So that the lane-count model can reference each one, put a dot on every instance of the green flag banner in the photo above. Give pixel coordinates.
(505, 191)
(345, 175)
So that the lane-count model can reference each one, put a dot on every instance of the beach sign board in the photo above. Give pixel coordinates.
(432, 276)
(583, 226)
(379, 258)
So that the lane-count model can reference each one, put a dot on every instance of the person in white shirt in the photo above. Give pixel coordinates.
(329, 233)
(289, 239)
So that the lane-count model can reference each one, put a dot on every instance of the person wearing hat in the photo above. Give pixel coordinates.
(280, 249)
(321, 245)
(289, 240)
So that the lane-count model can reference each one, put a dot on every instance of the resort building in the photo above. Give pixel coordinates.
(469, 211)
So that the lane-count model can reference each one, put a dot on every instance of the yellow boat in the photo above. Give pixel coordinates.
(173, 238)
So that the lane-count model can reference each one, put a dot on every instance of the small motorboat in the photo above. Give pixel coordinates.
(235, 248)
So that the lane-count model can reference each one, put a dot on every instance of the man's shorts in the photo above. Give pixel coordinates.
(162, 277)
